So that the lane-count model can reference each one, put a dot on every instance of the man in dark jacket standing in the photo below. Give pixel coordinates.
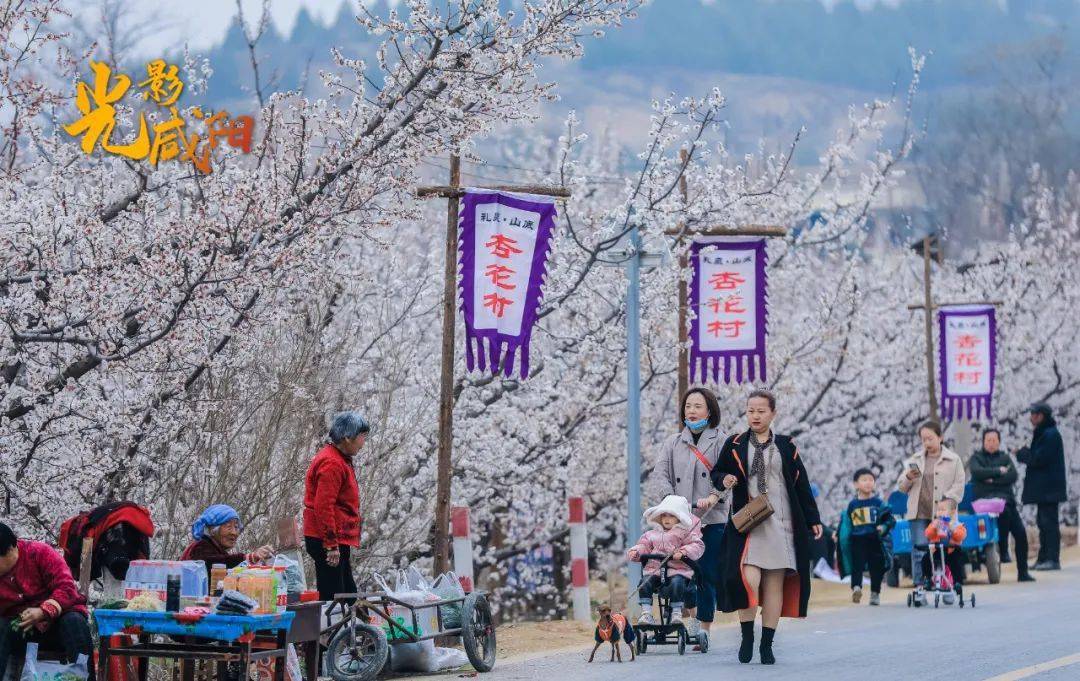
(1044, 483)
(993, 475)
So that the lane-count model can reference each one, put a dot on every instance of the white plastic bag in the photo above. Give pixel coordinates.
(37, 670)
(448, 587)
(295, 581)
(413, 657)
(409, 587)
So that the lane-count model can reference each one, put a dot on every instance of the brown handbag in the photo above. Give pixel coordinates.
(757, 510)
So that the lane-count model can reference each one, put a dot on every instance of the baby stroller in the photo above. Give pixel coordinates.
(666, 632)
(942, 584)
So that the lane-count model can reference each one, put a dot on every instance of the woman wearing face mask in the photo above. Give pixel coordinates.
(684, 468)
(929, 475)
(767, 565)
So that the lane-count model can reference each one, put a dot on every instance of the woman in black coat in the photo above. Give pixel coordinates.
(770, 565)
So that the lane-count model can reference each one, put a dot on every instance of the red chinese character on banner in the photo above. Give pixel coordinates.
(967, 341)
(726, 281)
(967, 377)
(499, 274)
(729, 329)
(502, 246)
(968, 359)
(497, 303)
(730, 305)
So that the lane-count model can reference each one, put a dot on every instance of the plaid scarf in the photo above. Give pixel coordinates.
(758, 467)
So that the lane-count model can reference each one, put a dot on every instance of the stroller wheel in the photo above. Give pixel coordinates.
(682, 641)
(910, 598)
(973, 600)
(937, 599)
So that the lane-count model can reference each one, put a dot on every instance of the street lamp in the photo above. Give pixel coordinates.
(632, 254)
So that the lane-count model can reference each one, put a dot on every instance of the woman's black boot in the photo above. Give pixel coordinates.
(746, 650)
(766, 645)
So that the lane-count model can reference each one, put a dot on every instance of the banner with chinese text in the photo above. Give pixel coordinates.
(968, 352)
(727, 294)
(505, 243)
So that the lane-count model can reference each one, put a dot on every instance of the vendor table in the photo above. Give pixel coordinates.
(213, 638)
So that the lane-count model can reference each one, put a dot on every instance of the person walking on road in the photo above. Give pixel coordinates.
(767, 565)
(993, 475)
(684, 468)
(1044, 483)
(332, 505)
(929, 475)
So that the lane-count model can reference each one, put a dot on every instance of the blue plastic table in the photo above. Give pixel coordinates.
(215, 638)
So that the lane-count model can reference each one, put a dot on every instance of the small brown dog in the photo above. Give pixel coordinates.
(613, 628)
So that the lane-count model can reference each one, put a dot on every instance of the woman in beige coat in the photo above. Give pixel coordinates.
(930, 475)
(684, 469)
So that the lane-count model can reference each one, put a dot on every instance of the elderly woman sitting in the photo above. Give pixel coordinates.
(215, 534)
(39, 601)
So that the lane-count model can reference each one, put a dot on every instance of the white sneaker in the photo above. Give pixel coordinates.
(646, 618)
(693, 626)
(676, 615)
(856, 594)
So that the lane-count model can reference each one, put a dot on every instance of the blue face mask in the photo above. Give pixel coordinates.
(696, 426)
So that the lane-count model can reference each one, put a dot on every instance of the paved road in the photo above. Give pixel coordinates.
(1013, 627)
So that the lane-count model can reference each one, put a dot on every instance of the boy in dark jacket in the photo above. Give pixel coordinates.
(871, 521)
(993, 475)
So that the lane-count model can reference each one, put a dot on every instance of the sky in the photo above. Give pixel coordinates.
(202, 23)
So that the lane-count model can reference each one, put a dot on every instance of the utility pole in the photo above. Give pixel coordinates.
(931, 247)
(453, 192)
(680, 234)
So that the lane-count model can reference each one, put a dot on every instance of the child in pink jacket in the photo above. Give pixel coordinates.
(677, 533)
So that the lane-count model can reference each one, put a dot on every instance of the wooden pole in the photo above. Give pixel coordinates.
(929, 317)
(684, 353)
(921, 306)
(446, 379)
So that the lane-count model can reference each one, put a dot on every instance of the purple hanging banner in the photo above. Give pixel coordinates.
(727, 294)
(504, 244)
(966, 361)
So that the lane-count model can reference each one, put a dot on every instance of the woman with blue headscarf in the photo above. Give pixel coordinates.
(215, 534)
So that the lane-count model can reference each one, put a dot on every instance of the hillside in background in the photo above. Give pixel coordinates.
(783, 64)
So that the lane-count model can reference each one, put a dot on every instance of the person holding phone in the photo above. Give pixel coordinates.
(930, 474)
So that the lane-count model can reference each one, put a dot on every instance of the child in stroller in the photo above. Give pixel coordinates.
(668, 552)
(944, 561)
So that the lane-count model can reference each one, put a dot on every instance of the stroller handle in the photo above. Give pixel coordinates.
(646, 557)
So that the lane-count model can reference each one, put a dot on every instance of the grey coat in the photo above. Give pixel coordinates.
(681, 473)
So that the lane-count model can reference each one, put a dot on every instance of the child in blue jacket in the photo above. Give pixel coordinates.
(870, 521)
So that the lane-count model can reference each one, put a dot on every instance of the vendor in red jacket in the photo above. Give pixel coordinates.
(39, 601)
(332, 505)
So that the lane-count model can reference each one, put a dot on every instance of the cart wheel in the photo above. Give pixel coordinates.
(993, 563)
(703, 640)
(973, 600)
(478, 632)
(910, 598)
(937, 600)
(357, 652)
(682, 642)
